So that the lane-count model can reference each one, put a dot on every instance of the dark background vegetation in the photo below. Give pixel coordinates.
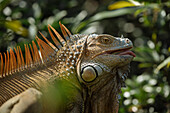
(147, 25)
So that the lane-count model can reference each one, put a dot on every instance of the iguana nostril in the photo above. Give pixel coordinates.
(127, 41)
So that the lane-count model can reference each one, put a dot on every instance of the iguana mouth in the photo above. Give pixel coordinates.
(127, 52)
(120, 52)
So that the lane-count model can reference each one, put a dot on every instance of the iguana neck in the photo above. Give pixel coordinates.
(105, 97)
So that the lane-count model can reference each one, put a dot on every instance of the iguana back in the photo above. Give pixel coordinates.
(40, 67)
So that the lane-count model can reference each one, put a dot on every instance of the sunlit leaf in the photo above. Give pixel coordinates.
(163, 64)
(120, 4)
(139, 11)
(17, 27)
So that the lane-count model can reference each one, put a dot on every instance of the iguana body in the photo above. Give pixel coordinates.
(94, 65)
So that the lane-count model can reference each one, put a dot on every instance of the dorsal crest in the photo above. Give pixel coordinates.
(13, 60)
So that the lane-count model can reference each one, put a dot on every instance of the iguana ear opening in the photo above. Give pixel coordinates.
(89, 72)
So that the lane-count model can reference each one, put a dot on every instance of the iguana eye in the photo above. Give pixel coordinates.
(105, 40)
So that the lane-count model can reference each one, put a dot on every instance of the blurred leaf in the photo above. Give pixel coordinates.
(104, 15)
(120, 4)
(154, 37)
(145, 65)
(139, 11)
(143, 54)
(150, 1)
(17, 27)
(3, 4)
(163, 64)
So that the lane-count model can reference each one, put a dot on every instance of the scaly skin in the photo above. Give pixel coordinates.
(95, 76)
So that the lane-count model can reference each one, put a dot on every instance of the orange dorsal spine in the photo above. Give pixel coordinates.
(8, 69)
(58, 35)
(63, 31)
(4, 71)
(36, 54)
(2, 67)
(13, 61)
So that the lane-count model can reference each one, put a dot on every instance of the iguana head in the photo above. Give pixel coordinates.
(103, 68)
(105, 52)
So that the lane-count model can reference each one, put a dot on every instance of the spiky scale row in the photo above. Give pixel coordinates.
(13, 62)
(48, 41)
(64, 32)
(53, 37)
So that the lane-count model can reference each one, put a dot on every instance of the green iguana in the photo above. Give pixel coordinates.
(94, 65)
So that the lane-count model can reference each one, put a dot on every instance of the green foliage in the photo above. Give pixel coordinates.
(147, 25)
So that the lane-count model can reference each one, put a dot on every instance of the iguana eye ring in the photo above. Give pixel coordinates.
(105, 40)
